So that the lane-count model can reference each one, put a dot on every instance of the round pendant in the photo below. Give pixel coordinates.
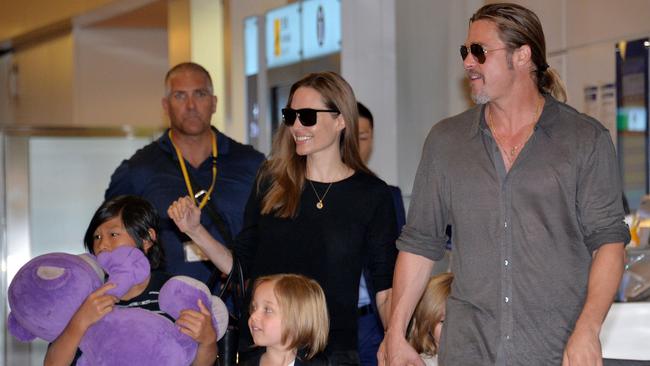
(319, 205)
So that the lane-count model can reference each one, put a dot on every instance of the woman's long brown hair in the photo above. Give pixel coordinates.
(285, 169)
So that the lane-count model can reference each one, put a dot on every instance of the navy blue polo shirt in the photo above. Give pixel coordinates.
(153, 173)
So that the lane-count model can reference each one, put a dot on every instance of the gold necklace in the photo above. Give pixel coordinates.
(510, 155)
(319, 204)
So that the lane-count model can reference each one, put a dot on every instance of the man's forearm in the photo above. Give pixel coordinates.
(604, 278)
(412, 273)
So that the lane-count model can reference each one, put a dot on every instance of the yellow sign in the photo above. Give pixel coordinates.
(277, 49)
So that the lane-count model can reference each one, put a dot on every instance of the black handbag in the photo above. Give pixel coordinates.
(233, 286)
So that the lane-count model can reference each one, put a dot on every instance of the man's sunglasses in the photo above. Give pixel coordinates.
(307, 115)
(477, 51)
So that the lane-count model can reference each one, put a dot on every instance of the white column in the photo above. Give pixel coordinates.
(368, 63)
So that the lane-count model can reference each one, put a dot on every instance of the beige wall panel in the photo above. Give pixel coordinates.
(178, 32)
(594, 21)
(422, 29)
(119, 77)
(7, 88)
(207, 30)
(369, 64)
(589, 66)
(45, 77)
(19, 17)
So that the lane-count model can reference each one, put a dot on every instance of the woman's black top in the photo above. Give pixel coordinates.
(355, 228)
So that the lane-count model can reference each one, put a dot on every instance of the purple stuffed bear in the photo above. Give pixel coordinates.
(47, 291)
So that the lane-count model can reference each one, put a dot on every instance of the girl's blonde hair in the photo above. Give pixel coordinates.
(305, 320)
(429, 312)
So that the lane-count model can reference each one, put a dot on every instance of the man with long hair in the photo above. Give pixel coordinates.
(532, 190)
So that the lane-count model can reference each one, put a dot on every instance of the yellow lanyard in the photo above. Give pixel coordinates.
(181, 162)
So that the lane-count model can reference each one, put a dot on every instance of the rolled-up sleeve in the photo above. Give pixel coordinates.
(424, 232)
(599, 196)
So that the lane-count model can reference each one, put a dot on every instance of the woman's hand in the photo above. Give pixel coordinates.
(185, 215)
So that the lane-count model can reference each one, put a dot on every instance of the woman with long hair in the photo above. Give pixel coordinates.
(316, 210)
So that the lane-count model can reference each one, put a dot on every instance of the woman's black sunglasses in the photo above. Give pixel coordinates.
(307, 115)
(477, 51)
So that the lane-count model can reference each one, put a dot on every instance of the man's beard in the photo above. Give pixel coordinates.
(481, 97)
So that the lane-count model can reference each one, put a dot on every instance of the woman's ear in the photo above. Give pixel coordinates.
(340, 122)
(147, 244)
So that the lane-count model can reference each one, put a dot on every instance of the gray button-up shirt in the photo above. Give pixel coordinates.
(523, 239)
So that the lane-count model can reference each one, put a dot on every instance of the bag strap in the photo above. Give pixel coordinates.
(221, 224)
(216, 217)
(236, 274)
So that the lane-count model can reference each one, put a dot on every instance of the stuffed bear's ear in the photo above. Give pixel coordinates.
(92, 262)
(17, 330)
(182, 292)
(220, 316)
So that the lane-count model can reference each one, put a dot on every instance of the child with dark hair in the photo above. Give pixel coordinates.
(138, 218)
(129, 221)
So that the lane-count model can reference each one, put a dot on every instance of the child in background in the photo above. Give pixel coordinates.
(426, 324)
(288, 316)
(129, 221)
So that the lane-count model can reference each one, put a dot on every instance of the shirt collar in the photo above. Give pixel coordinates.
(479, 121)
(546, 119)
(544, 123)
(223, 142)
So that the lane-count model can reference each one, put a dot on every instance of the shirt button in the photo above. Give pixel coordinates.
(506, 299)
(505, 262)
(507, 337)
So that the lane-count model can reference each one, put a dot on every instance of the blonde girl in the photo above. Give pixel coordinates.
(426, 324)
(288, 316)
